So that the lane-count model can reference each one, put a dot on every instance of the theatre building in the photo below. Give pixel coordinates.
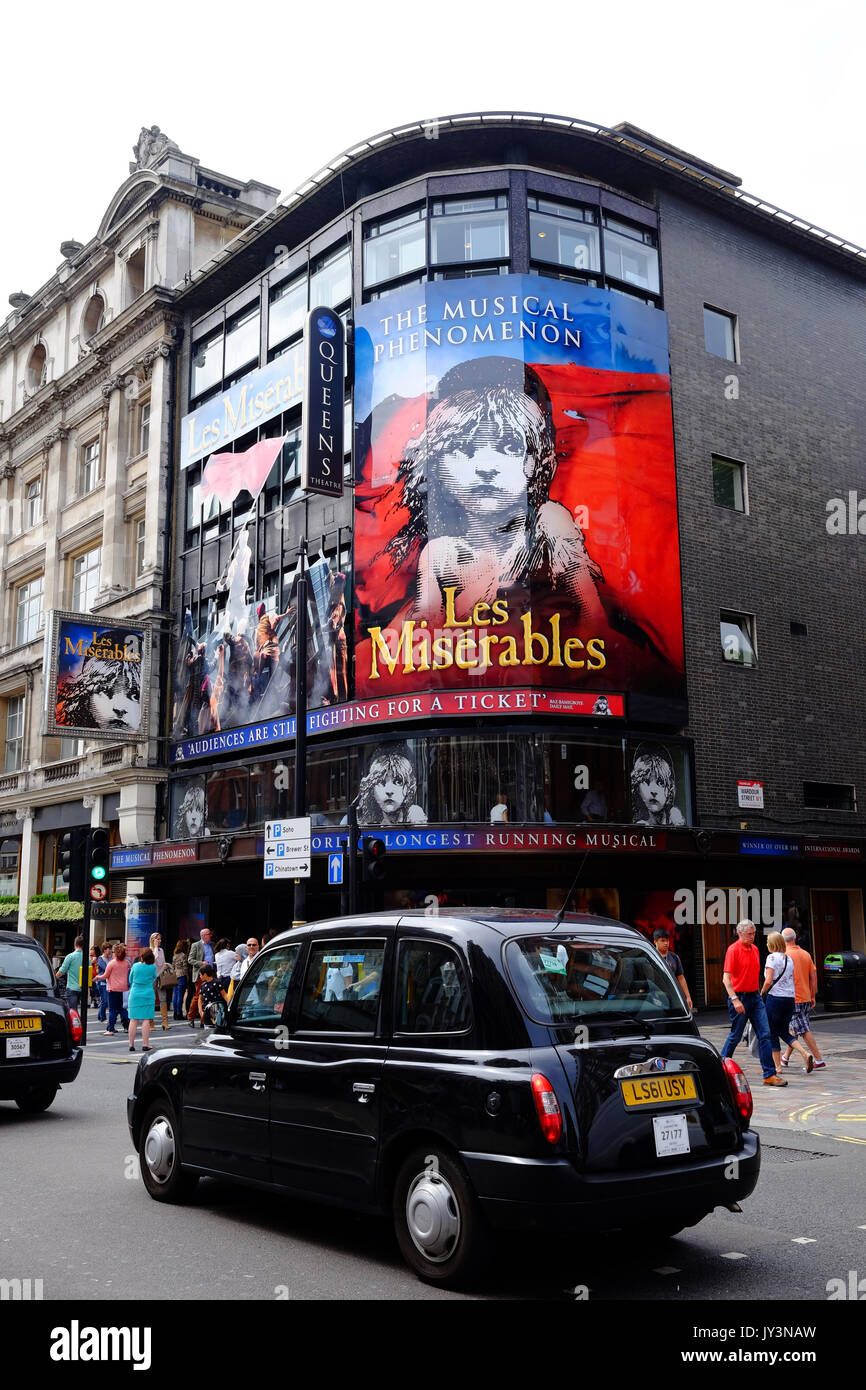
(582, 614)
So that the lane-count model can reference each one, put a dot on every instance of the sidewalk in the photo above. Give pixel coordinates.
(825, 1104)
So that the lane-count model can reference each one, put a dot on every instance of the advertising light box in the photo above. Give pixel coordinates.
(516, 520)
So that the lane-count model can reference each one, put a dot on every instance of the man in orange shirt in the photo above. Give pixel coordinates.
(805, 989)
(742, 981)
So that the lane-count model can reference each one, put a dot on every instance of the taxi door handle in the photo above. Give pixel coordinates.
(259, 1080)
(363, 1090)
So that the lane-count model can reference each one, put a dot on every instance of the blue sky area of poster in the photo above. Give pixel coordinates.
(617, 332)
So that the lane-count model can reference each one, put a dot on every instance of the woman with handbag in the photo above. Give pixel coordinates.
(181, 974)
(778, 993)
(165, 979)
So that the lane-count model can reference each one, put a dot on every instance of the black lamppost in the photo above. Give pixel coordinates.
(300, 806)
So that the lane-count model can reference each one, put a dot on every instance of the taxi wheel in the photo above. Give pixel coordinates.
(159, 1156)
(37, 1099)
(440, 1229)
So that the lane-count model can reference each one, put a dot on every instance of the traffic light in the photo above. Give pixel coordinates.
(98, 855)
(373, 854)
(71, 854)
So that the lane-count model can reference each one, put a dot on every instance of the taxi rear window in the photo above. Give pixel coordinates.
(557, 979)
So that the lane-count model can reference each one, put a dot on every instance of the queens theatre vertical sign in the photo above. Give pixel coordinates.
(322, 454)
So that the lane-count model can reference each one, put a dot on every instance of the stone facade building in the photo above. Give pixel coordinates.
(86, 407)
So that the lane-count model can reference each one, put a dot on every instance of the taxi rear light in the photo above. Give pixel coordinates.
(75, 1026)
(547, 1106)
(740, 1088)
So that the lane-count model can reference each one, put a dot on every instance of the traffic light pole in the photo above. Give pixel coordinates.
(85, 968)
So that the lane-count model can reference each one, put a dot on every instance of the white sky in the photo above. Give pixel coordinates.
(772, 91)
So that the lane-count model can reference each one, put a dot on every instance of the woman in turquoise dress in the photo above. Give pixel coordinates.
(142, 981)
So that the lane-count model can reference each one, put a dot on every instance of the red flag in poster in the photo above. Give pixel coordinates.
(227, 475)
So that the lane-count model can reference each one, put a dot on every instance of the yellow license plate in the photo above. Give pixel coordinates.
(656, 1090)
(20, 1025)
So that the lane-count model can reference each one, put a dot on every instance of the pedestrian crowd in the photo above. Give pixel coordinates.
(779, 1007)
(195, 984)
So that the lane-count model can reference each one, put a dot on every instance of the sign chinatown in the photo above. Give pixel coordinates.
(287, 848)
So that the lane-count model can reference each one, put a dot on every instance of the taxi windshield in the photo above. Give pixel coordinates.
(557, 979)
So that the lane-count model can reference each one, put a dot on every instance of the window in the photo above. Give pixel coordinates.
(470, 229)
(287, 311)
(242, 341)
(729, 484)
(629, 254)
(331, 281)
(71, 748)
(432, 990)
(88, 468)
(9, 867)
(139, 546)
(51, 874)
(135, 276)
(830, 796)
(341, 991)
(14, 733)
(395, 247)
(720, 334)
(28, 608)
(565, 235)
(738, 638)
(93, 317)
(86, 574)
(37, 368)
(143, 440)
(262, 991)
(207, 363)
(558, 979)
(33, 498)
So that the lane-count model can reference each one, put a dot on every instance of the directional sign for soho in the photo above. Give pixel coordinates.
(322, 423)
(287, 848)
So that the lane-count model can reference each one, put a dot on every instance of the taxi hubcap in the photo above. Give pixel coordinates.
(159, 1150)
(432, 1216)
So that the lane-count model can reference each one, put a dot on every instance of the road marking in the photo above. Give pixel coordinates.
(804, 1240)
(733, 1255)
(860, 1118)
(667, 1269)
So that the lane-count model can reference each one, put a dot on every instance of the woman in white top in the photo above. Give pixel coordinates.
(778, 993)
(167, 990)
(224, 960)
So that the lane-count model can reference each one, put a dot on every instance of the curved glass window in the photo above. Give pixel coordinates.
(564, 235)
(395, 246)
(629, 254)
(469, 229)
(287, 310)
(331, 281)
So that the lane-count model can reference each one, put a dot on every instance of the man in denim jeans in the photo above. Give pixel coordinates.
(742, 981)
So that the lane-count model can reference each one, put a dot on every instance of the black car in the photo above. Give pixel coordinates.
(467, 1072)
(39, 1033)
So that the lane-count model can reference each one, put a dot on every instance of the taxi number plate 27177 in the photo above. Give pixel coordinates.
(671, 1135)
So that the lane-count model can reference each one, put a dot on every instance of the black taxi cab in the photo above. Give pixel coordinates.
(489, 1069)
(40, 1035)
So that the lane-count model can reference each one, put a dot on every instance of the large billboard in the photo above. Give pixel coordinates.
(235, 665)
(516, 517)
(96, 677)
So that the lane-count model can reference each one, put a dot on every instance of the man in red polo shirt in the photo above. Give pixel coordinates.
(742, 981)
